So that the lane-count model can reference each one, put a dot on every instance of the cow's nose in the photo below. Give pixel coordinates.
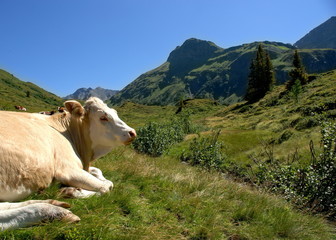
(132, 134)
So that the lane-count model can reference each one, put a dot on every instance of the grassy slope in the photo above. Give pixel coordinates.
(14, 92)
(162, 198)
(274, 116)
(165, 199)
(138, 115)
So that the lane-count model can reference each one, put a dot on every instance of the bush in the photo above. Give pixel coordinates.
(156, 138)
(314, 185)
(152, 139)
(205, 152)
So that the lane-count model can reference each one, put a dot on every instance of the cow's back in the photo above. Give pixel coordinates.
(27, 154)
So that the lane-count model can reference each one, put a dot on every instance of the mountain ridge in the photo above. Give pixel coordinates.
(201, 69)
(323, 36)
(86, 93)
(222, 75)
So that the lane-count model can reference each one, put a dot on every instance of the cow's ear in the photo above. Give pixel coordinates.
(74, 107)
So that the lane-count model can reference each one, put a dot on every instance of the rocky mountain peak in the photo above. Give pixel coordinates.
(193, 48)
(191, 54)
(86, 93)
(323, 36)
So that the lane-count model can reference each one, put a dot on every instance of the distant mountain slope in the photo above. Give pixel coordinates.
(203, 70)
(85, 93)
(323, 36)
(16, 92)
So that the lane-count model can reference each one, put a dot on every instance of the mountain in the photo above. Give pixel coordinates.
(323, 36)
(201, 69)
(192, 54)
(85, 93)
(13, 92)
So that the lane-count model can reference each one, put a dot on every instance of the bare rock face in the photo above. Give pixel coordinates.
(323, 36)
(191, 54)
(86, 93)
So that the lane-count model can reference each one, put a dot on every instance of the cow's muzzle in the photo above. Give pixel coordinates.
(132, 135)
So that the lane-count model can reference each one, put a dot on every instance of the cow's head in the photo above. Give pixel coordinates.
(106, 129)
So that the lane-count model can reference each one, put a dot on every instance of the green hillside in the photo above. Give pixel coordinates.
(164, 198)
(16, 92)
(200, 69)
(288, 122)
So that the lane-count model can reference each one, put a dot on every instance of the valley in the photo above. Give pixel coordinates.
(217, 167)
(164, 198)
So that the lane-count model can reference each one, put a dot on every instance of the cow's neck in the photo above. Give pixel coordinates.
(77, 131)
(100, 150)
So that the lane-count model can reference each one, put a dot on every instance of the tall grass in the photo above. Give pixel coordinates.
(163, 198)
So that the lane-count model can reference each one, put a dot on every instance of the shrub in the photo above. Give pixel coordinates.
(156, 138)
(183, 124)
(152, 139)
(205, 152)
(314, 185)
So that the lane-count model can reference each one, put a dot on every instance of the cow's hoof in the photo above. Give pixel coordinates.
(58, 203)
(108, 185)
(70, 192)
(49, 212)
(70, 218)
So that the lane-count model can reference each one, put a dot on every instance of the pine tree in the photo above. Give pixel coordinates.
(261, 78)
(269, 74)
(251, 91)
(297, 73)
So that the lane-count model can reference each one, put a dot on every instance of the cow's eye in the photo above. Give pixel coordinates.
(104, 118)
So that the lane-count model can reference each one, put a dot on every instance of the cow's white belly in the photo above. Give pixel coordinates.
(8, 195)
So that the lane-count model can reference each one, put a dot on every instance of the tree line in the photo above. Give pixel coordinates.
(262, 78)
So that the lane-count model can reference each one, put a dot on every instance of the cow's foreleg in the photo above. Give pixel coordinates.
(97, 173)
(17, 216)
(84, 184)
(72, 192)
(10, 205)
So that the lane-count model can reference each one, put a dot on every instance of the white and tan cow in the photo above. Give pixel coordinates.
(37, 149)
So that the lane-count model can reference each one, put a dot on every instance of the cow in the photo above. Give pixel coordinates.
(20, 108)
(59, 110)
(60, 148)
(47, 112)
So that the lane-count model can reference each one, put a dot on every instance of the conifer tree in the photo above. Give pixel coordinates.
(261, 78)
(269, 74)
(297, 73)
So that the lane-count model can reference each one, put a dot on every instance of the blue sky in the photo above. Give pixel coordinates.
(62, 45)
